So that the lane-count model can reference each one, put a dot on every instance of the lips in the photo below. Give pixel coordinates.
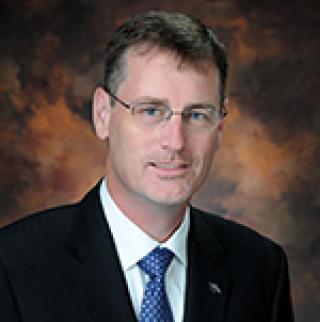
(171, 169)
(169, 165)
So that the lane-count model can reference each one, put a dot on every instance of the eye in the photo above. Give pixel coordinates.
(149, 109)
(199, 115)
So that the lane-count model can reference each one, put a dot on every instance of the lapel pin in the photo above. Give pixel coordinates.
(214, 288)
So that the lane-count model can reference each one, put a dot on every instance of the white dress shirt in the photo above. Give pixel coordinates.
(133, 244)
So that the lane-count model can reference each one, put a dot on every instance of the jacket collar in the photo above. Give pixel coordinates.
(93, 271)
(208, 283)
(95, 278)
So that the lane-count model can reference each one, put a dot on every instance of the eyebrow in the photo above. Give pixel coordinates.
(194, 106)
(165, 101)
(149, 99)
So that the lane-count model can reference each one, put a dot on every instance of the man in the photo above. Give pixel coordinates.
(134, 248)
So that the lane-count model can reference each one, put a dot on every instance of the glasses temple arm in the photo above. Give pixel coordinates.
(126, 105)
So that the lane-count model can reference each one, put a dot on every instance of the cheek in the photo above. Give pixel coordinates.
(202, 154)
(128, 146)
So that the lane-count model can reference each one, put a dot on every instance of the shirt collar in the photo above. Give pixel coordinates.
(131, 242)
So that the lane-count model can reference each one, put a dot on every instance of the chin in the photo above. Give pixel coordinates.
(170, 199)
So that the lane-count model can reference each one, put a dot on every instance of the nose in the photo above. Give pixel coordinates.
(172, 134)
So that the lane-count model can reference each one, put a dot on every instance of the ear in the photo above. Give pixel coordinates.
(101, 110)
(218, 138)
(224, 110)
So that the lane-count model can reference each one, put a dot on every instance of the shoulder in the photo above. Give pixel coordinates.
(255, 265)
(40, 232)
(239, 243)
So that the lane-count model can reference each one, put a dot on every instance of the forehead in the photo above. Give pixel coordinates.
(162, 70)
(149, 52)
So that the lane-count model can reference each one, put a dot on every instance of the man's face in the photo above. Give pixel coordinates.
(163, 165)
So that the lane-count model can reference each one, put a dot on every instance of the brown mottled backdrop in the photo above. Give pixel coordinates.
(267, 174)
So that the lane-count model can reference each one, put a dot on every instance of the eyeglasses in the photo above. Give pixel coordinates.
(150, 113)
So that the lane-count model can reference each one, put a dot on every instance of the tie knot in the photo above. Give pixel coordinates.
(155, 264)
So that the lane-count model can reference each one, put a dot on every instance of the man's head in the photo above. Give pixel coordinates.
(161, 109)
(185, 37)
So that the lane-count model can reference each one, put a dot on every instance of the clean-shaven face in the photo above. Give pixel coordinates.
(166, 164)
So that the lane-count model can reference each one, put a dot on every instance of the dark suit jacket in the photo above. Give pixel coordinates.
(61, 266)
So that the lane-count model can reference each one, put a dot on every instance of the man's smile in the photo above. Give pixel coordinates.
(170, 169)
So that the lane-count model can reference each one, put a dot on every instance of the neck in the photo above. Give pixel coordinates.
(157, 220)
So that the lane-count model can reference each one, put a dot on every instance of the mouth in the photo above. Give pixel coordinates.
(170, 169)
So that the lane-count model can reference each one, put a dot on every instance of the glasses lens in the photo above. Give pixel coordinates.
(195, 119)
(201, 118)
(150, 112)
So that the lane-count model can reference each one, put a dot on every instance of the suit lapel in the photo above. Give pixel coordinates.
(95, 278)
(94, 275)
(207, 282)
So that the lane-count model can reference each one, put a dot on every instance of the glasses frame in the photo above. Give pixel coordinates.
(222, 111)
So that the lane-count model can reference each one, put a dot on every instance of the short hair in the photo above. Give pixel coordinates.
(183, 35)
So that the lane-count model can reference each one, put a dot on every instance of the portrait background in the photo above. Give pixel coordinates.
(267, 172)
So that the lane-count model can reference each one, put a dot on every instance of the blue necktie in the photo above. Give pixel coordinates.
(155, 305)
